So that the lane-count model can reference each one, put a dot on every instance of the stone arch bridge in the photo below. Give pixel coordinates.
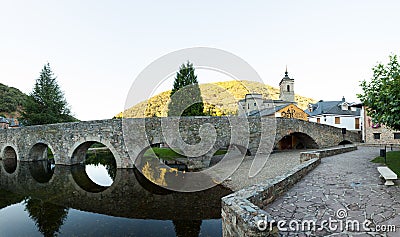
(70, 141)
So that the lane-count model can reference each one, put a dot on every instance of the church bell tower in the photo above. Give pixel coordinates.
(287, 88)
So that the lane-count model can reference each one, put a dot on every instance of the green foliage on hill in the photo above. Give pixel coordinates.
(220, 98)
(11, 101)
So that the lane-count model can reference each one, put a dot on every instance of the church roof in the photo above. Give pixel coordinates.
(267, 112)
(286, 77)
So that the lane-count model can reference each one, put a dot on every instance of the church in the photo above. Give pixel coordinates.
(255, 105)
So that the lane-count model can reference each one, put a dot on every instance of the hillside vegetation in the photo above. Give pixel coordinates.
(11, 101)
(220, 98)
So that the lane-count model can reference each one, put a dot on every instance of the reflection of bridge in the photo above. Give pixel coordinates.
(70, 141)
(131, 195)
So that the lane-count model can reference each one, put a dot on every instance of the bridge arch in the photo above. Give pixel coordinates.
(10, 158)
(39, 151)
(78, 151)
(345, 142)
(296, 140)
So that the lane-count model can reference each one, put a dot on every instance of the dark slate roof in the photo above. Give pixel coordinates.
(13, 123)
(331, 107)
(267, 112)
(3, 120)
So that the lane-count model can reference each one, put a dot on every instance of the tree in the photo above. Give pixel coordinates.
(185, 97)
(48, 217)
(46, 103)
(381, 95)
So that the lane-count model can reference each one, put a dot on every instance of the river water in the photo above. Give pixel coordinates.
(94, 199)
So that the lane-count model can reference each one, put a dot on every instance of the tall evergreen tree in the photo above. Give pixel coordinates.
(46, 103)
(185, 96)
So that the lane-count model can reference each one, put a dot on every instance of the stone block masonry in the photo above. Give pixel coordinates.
(69, 141)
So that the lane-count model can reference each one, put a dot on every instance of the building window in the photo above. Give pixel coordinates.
(396, 135)
(288, 88)
(357, 125)
(377, 136)
(337, 120)
(318, 120)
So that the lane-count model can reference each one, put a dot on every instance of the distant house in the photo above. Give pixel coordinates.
(377, 133)
(339, 114)
(14, 123)
(4, 123)
(254, 102)
(9, 123)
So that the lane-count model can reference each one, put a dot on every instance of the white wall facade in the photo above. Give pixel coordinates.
(346, 121)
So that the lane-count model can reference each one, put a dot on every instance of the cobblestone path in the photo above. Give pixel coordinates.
(347, 189)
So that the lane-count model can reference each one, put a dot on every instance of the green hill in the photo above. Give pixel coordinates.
(11, 101)
(220, 98)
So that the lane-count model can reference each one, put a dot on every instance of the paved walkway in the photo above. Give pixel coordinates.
(350, 183)
(277, 164)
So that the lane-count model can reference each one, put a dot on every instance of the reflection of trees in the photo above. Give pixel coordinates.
(105, 158)
(187, 228)
(8, 198)
(47, 216)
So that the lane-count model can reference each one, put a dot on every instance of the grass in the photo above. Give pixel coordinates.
(392, 161)
(163, 153)
(169, 154)
(220, 152)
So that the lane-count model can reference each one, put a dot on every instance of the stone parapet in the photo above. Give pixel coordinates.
(308, 155)
(244, 209)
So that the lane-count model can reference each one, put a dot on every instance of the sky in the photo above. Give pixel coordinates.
(97, 48)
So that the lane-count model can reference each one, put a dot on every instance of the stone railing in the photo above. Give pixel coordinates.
(242, 211)
(305, 156)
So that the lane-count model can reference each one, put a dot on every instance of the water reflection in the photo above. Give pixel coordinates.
(48, 217)
(61, 207)
(97, 173)
(10, 165)
(42, 170)
(8, 198)
(105, 160)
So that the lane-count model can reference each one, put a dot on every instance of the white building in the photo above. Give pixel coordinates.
(254, 102)
(339, 114)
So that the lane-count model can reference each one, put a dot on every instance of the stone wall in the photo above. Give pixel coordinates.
(69, 141)
(324, 135)
(386, 135)
(305, 156)
(242, 210)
